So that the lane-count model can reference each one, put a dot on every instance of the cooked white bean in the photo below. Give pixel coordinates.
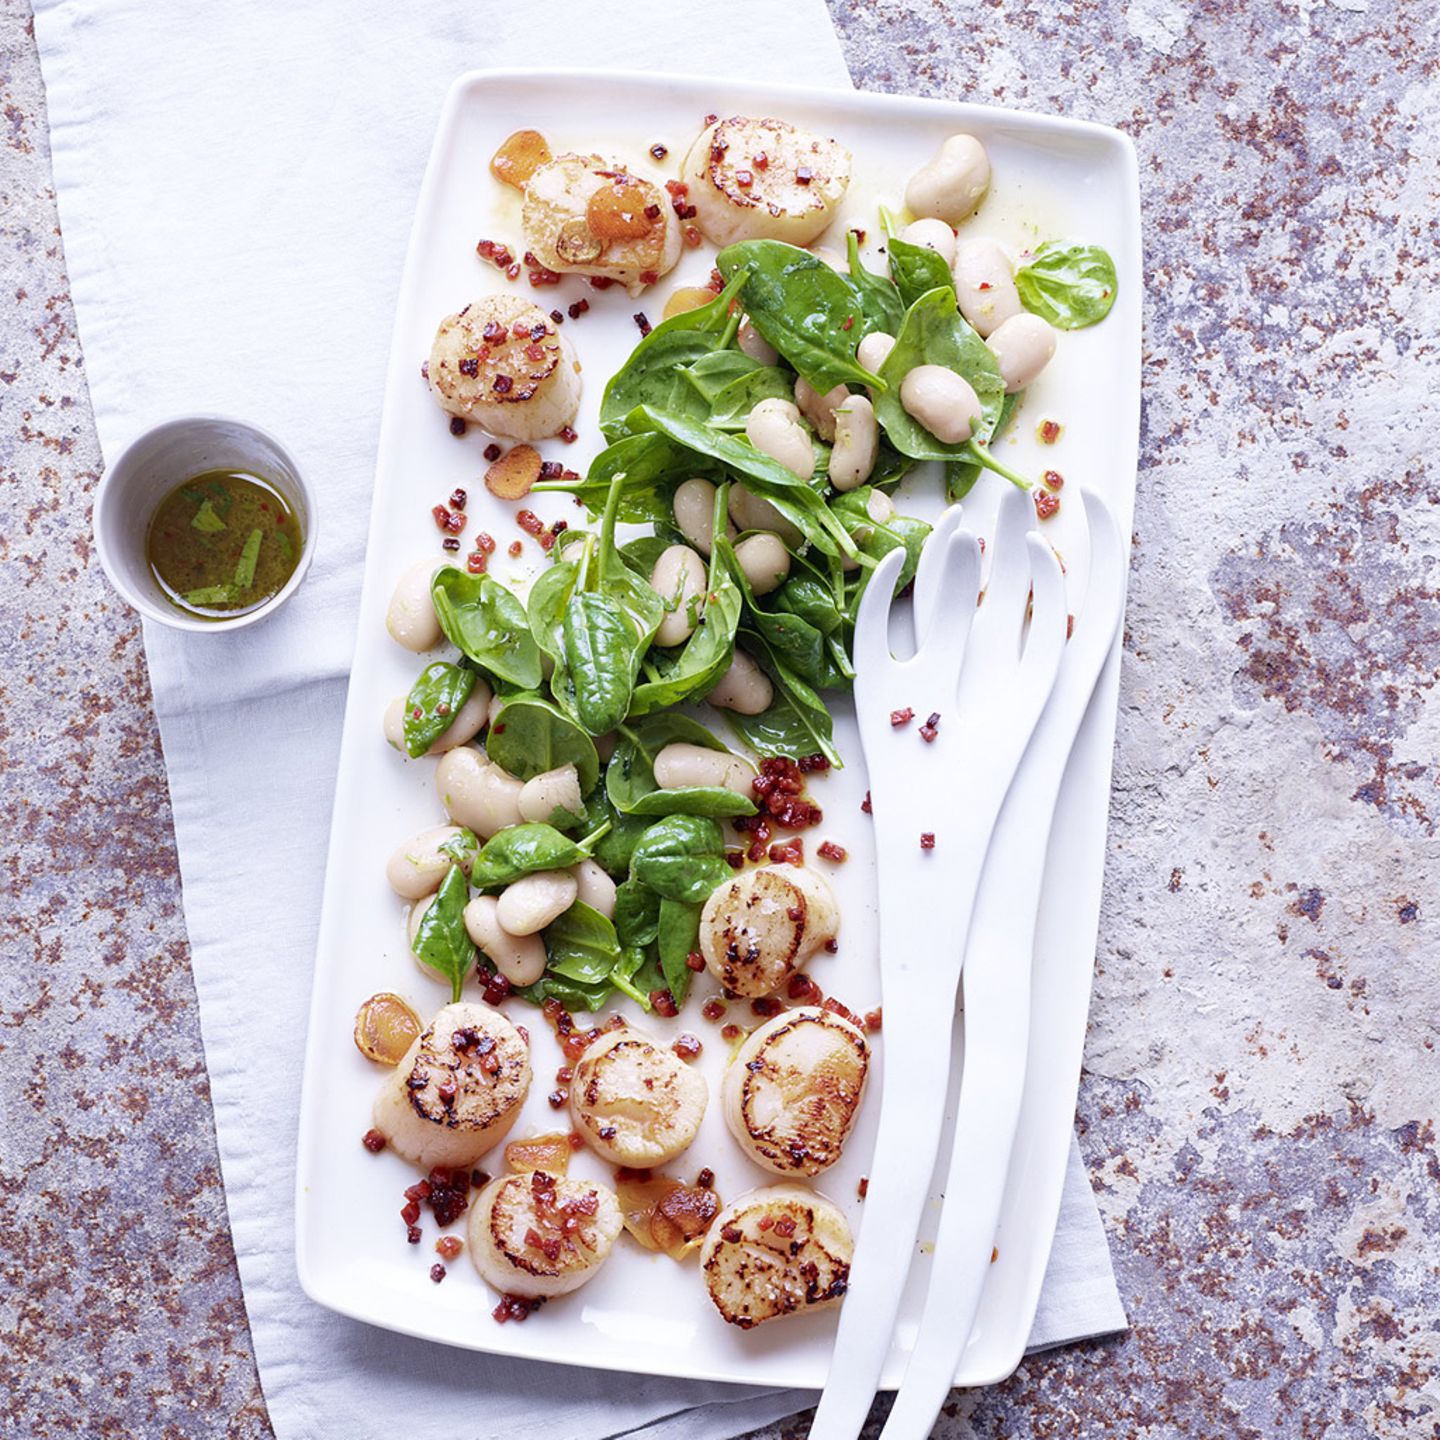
(679, 580)
(681, 765)
(750, 512)
(497, 704)
(857, 442)
(476, 793)
(417, 867)
(819, 409)
(470, 719)
(880, 507)
(765, 561)
(873, 349)
(744, 688)
(773, 427)
(519, 958)
(985, 285)
(754, 344)
(941, 401)
(934, 235)
(694, 506)
(393, 724)
(530, 903)
(544, 794)
(413, 919)
(951, 185)
(411, 618)
(1022, 347)
(594, 887)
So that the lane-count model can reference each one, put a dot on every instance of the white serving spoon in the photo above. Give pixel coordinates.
(986, 675)
(997, 1000)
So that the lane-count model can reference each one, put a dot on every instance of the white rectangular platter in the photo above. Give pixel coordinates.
(1052, 179)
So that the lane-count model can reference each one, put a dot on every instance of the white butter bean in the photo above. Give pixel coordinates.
(773, 427)
(873, 349)
(857, 442)
(934, 235)
(411, 618)
(530, 903)
(594, 887)
(497, 704)
(765, 561)
(744, 688)
(679, 580)
(680, 766)
(553, 790)
(412, 924)
(951, 185)
(1022, 347)
(417, 867)
(694, 506)
(750, 512)
(519, 958)
(476, 793)
(985, 285)
(754, 344)
(470, 719)
(941, 401)
(819, 409)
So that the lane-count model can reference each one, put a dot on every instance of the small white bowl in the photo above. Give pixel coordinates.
(151, 466)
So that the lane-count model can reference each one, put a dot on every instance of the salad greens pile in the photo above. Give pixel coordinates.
(578, 659)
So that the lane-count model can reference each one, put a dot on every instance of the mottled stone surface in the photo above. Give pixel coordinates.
(1258, 1109)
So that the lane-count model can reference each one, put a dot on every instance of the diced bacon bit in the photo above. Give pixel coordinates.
(497, 253)
(1069, 626)
(730, 1235)
(808, 764)
(458, 498)
(1049, 431)
(835, 1007)
(829, 850)
(449, 1246)
(437, 1273)
(705, 1180)
(450, 543)
(512, 272)
(785, 1226)
(765, 1222)
(663, 1003)
(832, 946)
(761, 160)
(692, 237)
(901, 717)
(927, 839)
(373, 1141)
(546, 542)
(534, 351)
(1054, 479)
(865, 806)
(732, 1032)
(476, 562)
(514, 549)
(803, 176)
(559, 527)
(931, 728)
(766, 1007)
(502, 384)
(858, 233)
(676, 189)
(492, 451)
(1047, 504)
(576, 308)
(600, 282)
(469, 366)
(874, 1019)
(516, 1308)
(713, 1010)
(450, 521)
(735, 859)
(412, 1234)
(542, 275)
(863, 1188)
(649, 277)
(687, 1046)
(695, 961)
(558, 316)
(485, 542)
(575, 1140)
(744, 179)
(558, 1098)
(425, 370)
(710, 120)
(529, 522)
(788, 852)
(658, 152)
(457, 425)
(642, 324)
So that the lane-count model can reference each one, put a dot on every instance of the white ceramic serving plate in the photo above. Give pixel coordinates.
(1053, 179)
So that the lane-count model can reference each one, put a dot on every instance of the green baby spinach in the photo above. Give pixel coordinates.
(524, 850)
(430, 708)
(681, 857)
(441, 940)
(488, 624)
(797, 722)
(630, 776)
(678, 937)
(637, 914)
(882, 305)
(1071, 286)
(530, 736)
(581, 945)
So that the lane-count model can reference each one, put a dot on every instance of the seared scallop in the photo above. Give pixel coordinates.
(635, 1102)
(586, 215)
(776, 1251)
(540, 1234)
(502, 363)
(758, 929)
(794, 1088)
(458, 1089)
(764, 180)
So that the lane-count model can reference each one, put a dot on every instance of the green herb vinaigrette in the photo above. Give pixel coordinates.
(222, 544)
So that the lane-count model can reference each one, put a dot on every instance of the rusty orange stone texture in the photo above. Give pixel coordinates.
(1258, 1109)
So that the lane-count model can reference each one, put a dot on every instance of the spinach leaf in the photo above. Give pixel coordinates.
(480, 616)
(961, 475)
(641, 554)
(791, 496)
(524, 849)
(439, 691)
(249, 556)
(731, 406)
(548, 601)
(678, 935)
(712, 373)
(916, 270)
(575, 995)
(616, 843)
(637, 914)
(655, 372)
(630, 776)
(1071, 286)
(803, 308)
(461, 848)
(531, 736)
(796, 724)
(811, 600)
(877, 538)
(599, 646)
(646, 468)
(441, 940)
(681, 858)
(581, 945)
(881, 305)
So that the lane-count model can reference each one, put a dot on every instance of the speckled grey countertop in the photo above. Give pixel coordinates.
(1259, 1104)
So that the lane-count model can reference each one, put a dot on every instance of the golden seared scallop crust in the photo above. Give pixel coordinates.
(777, 1251)
(793, 1090)
(502, 363)
(756, 930)
(539, 1234)
(764, 180)
(588, 215)
(635, 1102)
(457, 1090)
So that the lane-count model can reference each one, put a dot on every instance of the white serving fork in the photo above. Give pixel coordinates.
(997, 1000)
(979, 678)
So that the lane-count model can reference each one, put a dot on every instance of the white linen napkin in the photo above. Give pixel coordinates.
(236, 186)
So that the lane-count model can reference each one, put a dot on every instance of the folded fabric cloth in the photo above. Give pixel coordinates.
(236, 187)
